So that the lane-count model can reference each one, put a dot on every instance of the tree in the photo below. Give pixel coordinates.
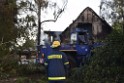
(8, 30)
(114, 10)
(8, 35)
(36, 7)
(30, 43)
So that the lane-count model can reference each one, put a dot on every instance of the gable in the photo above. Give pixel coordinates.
(100, 28)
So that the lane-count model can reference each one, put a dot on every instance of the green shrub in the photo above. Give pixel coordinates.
(106, 66)
(8, 66)
(23, 80)
(41, 81)
(29, 69)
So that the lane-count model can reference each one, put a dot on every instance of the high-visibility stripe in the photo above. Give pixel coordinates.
(56, 78)
(69, 50)
(46, 64)
(66, 63)
(55, 56)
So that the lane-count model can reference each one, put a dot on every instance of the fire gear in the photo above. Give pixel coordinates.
(57, 65)
(55, 44)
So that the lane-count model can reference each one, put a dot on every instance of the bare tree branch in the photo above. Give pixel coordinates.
(58, 14)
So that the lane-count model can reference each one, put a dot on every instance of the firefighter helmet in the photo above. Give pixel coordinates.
(55, 44)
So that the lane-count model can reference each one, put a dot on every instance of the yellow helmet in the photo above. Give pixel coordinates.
(55, 44)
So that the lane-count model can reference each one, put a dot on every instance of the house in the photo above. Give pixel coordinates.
(97, 27)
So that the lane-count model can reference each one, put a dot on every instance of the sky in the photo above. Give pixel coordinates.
(71, 12)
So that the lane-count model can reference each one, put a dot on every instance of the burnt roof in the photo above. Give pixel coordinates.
(87, 8)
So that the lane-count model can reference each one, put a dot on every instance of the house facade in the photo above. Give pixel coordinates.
(97, 27)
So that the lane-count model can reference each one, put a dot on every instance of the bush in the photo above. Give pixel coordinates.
(8, 66)
(23, 80)
(107, 64)
(30, 69)
(29, 80)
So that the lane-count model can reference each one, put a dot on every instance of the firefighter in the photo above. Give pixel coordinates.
(57, 64)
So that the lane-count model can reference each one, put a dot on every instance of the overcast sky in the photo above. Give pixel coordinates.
(72, 11)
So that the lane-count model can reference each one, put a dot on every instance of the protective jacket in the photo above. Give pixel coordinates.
(57, 65)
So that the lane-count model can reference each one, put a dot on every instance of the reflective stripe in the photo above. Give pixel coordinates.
(69, 50)
(56, 78)
(55, 56)
(66, 63)
(46, 64)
